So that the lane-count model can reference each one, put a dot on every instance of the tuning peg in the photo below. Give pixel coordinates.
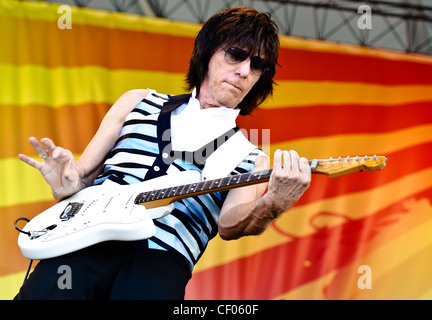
(375, 157)
(366, 158)
(348, 158)
(357, 158)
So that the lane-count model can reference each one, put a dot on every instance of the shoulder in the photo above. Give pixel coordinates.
(138, 98)
(135, 94)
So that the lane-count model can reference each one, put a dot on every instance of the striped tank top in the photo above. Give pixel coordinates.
(142, 152)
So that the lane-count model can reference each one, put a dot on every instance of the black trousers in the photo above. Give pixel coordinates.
(113, 270)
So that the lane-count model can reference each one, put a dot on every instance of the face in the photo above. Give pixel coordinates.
(225, 84)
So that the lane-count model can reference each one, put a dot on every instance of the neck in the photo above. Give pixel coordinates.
(206, 102)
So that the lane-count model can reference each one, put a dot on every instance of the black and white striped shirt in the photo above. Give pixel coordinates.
(142, 152)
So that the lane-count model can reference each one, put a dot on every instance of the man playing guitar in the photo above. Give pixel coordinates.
(231, 71)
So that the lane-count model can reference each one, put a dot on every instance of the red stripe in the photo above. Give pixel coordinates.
(327, 249)
(321, 120)
(331, 66)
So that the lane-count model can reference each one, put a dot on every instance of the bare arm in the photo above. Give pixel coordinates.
(59, 169)
(247, 211)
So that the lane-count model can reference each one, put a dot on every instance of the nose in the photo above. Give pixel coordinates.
(243, 68)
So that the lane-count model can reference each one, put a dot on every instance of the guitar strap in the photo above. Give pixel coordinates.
(226, 158)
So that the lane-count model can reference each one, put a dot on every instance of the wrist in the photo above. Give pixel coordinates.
(270, 210)
(60, 194)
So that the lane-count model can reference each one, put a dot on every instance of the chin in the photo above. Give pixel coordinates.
(229, 103)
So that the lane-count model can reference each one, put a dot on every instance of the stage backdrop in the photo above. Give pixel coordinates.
(363, 236)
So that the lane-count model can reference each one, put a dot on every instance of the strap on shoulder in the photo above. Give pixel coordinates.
(226, 158)
(175, 102)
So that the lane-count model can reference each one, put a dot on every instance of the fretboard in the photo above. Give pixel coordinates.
(330, 167)
(205, 186)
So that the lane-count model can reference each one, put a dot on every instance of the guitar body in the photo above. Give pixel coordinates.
(96, 214)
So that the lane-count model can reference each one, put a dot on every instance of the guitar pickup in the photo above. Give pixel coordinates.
(71, 210)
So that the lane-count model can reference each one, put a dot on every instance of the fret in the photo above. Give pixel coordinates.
(172, 191)
(204, 185)
(226, 181)
(180, 190)
(159, 194)
(216, 183)
(244, 177)
(192, 188)
(139, 198)
(211, 182)
(152, 195)
(235, 179)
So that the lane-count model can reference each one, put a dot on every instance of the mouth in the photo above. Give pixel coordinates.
(234, 86)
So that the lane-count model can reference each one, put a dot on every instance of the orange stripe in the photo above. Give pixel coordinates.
(91, 45)
(71, 127)
(8, 237)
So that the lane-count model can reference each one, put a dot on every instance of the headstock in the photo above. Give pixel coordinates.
(342, 166)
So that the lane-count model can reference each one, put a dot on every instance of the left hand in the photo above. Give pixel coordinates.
(58, 167)
(290, 178)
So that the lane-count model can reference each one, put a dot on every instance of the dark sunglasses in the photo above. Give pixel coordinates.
(236, 55)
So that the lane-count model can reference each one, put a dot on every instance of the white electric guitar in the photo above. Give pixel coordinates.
(126, 212)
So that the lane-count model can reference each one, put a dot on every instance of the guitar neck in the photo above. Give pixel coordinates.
(330, 167)
(158, 197)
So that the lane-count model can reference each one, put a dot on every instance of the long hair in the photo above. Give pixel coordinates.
(243, 27)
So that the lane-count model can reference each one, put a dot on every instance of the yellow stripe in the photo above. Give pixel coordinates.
(10, 285)
(313, 290)
(401, 266)
(48, 12)
(306, 93)
(23, 184)
(358, 144)
(426, 295)
(32, 84)
(296, 220)
(404, 253)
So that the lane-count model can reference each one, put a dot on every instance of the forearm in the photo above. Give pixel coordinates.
(245, 219)
(90, 163)
(248, 212)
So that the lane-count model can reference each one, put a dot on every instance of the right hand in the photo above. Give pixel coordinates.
(58, 167)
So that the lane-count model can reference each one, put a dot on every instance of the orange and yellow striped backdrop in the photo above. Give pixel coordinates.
(331, 100)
